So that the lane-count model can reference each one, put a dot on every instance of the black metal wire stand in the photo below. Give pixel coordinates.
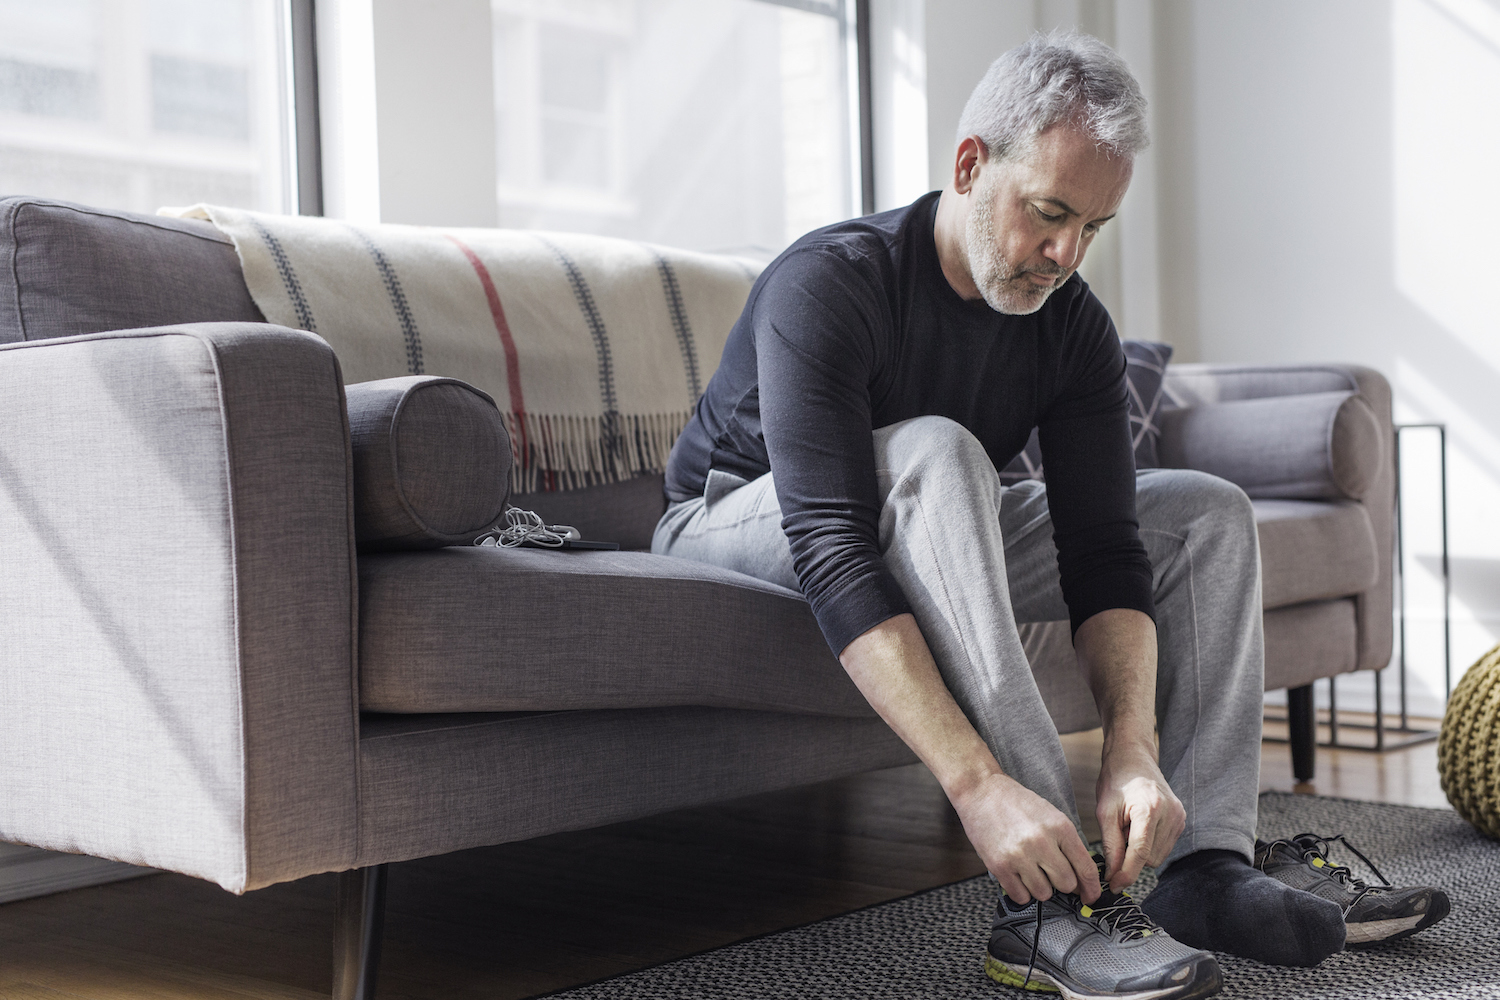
(1404, 735)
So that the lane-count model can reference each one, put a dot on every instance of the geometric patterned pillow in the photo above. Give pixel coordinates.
(1145, 368)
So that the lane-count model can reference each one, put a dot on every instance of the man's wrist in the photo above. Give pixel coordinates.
(1130, 744)
(965, 783)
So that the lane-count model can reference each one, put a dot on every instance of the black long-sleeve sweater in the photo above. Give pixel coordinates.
(855, 327)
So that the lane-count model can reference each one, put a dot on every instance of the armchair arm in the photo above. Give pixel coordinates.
(177, 601)
(1198, 384)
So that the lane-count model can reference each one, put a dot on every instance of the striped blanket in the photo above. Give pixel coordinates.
(595, 349)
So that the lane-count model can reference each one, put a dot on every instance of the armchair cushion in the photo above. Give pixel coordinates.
(431, 462)
(1312, 550)
(1315, 446)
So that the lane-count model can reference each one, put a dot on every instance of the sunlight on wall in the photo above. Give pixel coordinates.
(907, 164)
(1447, 81)
(812, 108)
(1446, 88)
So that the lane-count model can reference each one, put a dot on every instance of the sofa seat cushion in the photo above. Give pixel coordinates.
(468, 629)
(1313, 551)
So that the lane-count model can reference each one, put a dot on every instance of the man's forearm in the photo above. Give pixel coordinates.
(894, 669)
(1024, 840)
(1139, 815)
(1117, 650)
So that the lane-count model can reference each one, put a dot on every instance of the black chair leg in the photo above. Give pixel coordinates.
(1302, 724)
(356, 937)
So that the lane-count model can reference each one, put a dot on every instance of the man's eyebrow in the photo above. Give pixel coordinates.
(1070, 210)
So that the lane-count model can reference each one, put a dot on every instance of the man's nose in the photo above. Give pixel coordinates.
(1066, 248)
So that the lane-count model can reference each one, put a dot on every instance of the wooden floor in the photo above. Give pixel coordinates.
(521, 919)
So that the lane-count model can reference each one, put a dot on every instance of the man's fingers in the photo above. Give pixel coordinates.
(1114, 842)
(1083, 866)
(1014, 888)
(1059, 872)
(1037, 883)
(1141, 834)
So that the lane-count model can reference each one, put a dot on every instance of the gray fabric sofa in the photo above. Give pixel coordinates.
(200, 672)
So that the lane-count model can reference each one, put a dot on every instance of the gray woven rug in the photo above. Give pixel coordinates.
(930, 945)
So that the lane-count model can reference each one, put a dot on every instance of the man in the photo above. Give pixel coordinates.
(847, 446)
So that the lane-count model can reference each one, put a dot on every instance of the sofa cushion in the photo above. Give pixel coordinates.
(1315, 446)
(469, 629)
(68, 269)
(1313, 551)
(1145, 366)
(624, 512)
(431, 462)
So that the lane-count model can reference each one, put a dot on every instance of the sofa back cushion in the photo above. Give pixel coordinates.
(68, 269)
(1145, 368)
(431, 462)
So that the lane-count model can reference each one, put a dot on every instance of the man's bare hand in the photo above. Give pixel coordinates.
(1140, 816)
(1026, 842)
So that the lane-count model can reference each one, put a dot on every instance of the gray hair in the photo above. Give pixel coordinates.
(1059, 76)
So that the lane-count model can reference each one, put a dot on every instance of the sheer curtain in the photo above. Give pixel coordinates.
(135, 104)
(718, 125)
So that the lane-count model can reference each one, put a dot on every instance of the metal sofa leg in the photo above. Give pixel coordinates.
(356, 936)
(1302, 732)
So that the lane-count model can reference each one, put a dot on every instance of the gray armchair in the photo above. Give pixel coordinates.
(1313, 447)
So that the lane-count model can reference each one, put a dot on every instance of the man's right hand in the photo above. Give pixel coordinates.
(1025, 841)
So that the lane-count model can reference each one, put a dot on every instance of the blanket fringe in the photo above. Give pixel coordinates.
(563, 452)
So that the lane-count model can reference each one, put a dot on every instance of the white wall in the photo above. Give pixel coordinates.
(407, 103)
(898, 67)
(1343, 209)
(434, 97)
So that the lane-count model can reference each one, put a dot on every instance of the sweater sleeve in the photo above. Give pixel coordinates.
(818, 338)
(1090, 463)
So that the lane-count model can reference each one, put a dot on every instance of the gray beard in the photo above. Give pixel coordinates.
(1004, 289)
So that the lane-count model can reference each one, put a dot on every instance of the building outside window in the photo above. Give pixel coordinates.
(719, 125)
(135, 104)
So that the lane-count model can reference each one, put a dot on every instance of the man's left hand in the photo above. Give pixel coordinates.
(1139, 815)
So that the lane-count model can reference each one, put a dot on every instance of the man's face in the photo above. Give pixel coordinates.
(1031, 218)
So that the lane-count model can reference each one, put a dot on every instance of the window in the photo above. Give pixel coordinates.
(717, 125)
(136, 104)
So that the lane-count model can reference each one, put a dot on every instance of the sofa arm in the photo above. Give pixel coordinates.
(1199, 384)
(177, 601)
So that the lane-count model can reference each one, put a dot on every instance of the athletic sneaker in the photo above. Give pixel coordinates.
(1091, 951)
(1372, 913)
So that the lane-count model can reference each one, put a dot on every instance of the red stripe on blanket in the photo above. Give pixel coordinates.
(512, 360)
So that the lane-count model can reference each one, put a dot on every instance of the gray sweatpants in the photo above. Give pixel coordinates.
(975, 558)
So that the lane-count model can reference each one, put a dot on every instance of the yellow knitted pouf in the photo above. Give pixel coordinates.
(1469, 746)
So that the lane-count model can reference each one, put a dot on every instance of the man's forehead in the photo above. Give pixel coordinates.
(1071, 173)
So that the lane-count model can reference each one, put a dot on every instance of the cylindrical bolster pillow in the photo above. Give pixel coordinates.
(431, 462)
(1317, 446)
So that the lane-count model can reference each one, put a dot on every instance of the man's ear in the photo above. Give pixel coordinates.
(969, 159)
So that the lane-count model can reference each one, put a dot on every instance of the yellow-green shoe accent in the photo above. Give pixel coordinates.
(1002, 973)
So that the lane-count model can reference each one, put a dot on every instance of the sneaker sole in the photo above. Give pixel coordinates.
(1041, 982)
(1381, 931)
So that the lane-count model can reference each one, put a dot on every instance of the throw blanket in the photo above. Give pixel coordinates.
(595, 349)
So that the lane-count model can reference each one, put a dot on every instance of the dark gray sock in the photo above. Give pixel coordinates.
(1218, 901)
